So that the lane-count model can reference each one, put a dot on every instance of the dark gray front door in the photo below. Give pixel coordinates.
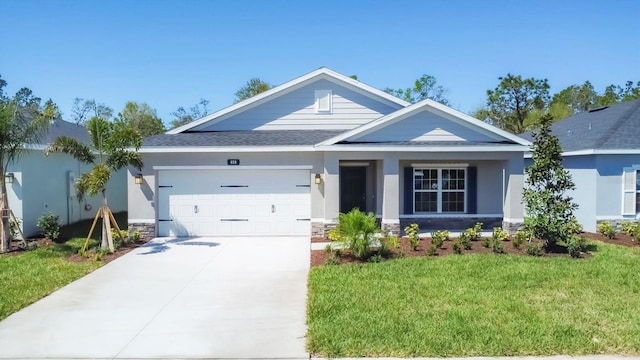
(353, 188)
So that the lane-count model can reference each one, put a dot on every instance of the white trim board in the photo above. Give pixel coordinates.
(225, 149)
(142, 221)
(447, 216)
(420, 148)
(233, 167)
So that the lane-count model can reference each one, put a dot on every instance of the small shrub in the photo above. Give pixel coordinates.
(629, 227)
(499, 234)
(432, 250)
(439, 237)
(391, 241)
(119, 239)
(135, 236)
(576, 245)
(457, 247)
(357, 232)
(328, 249)
(486, 242)
(475, 232)
(334, 235)
(400, 255)
(533, 248)
(574, 226)
(376, 258)
(520, 237)
(99, 254)
(465, 240)
(412, 232)
(606, 229)
(332, 260)
(49, 226)
(636, 233)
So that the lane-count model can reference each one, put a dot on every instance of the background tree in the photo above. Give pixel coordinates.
(108, 152)
(141, 117)
(548, 208)
(426, 87)
(516, 104)
(23, 120)
(252, 88)
(183, 117)
(83, 109)
(576, 98)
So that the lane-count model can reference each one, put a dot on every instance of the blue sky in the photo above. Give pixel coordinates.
(173, 53)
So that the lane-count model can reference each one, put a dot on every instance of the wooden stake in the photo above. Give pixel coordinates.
(95, 220)
(107, 225)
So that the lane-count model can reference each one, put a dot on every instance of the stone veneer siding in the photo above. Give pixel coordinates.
(147, 231)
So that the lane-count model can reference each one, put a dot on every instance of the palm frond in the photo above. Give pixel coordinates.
(73, 147)
(93, 182)
(100, 130)
(121, 158)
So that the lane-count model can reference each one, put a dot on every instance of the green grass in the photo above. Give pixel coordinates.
(31, 275)
(478, 305)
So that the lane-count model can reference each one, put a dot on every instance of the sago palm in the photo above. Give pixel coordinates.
(109, 151)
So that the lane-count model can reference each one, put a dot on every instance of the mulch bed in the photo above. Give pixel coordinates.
(319, 257)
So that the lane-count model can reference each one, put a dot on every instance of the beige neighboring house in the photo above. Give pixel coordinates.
(39, 184)
(289, 160)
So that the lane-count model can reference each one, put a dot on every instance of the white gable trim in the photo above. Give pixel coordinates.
(425, 148)
(432, 106)
(224, 149)
(322, 73)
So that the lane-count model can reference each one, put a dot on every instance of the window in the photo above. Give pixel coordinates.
(439, 190)
(324, 101)
(631, 191)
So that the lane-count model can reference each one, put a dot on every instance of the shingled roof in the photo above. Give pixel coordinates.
(241, 138)
(616, 127)
(60, 127)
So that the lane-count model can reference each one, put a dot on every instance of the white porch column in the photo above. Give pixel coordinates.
(331, 187)
(391, 195)
(513, 208)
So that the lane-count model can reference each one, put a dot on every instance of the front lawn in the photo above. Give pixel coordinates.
(31, 275)
(478, 305)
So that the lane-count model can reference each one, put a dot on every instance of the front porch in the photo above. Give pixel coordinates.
(436, 190)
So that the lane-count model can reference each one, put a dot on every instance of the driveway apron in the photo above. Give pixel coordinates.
(175, 298)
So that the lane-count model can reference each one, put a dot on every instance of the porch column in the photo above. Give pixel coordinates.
(513, 208)
(391, 196)
(331, 187)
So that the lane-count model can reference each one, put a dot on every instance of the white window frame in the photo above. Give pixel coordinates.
(319, 94)
(440, 190)
(634, 172)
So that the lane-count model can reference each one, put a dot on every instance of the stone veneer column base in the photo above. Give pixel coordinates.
(147, 230)
(391, 228)
(512, 227)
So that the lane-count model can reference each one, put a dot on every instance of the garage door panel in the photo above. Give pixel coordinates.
(199, 200)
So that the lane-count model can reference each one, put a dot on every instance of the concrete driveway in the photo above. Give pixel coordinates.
(175, 298)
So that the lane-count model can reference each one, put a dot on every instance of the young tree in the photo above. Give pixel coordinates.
(84, 109)
(425, 87)
(109, 151)
(23, 121)
(183, 117)
(252, 88)
(548, 208)
(514, 102)
(141, 117)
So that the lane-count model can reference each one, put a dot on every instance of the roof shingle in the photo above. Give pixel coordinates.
(241, 138)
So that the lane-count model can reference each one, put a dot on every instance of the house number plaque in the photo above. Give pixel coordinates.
(233, 161)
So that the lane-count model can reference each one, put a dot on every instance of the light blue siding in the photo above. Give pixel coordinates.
(426, 126)
(609, 184)
(295, 111)
(584, 175)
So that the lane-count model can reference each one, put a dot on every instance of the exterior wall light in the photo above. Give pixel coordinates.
(8, 178)
(318, 179)
(138, 179)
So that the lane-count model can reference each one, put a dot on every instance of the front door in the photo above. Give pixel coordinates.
(353, 188)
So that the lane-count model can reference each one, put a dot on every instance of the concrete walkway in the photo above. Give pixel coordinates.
(197, 298)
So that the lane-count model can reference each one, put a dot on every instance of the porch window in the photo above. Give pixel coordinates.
(439, 190)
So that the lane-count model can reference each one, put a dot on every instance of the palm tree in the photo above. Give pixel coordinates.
(23, 121)
(109, 151)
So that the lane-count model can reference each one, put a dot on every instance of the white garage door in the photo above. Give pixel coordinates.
(234, 202)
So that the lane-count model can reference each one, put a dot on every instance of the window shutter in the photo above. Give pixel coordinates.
(629, 191)
(472, 190)
(408, 190)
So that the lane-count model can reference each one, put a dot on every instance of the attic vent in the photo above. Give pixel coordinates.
(323, 103)
(598, 109)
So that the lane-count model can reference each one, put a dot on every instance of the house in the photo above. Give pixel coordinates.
(39, 184)
(601, 150)
(289, 160)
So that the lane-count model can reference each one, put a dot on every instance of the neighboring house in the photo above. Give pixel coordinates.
(289, 160)
(42, 184)
(601, 150)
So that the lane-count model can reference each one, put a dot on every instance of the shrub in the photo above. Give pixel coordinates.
(388, 242)
(574, 226)
(432, 250)
(135, 236)
(533, 248)
(475, 233)
(465, 240)
(120, 239)
(486, 242)
(357, 232)
(49, 226)
(333, 235)
(576, 245)
(328, 249)
(375, 258)
(400, 255)
(629, 227)
(332, 260)
(606, 229)
(439, 237)
(520, 237)
(414, 238)
(457, 246)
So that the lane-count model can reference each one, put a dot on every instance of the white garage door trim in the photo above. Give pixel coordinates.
(238, 201)
(256, 167)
